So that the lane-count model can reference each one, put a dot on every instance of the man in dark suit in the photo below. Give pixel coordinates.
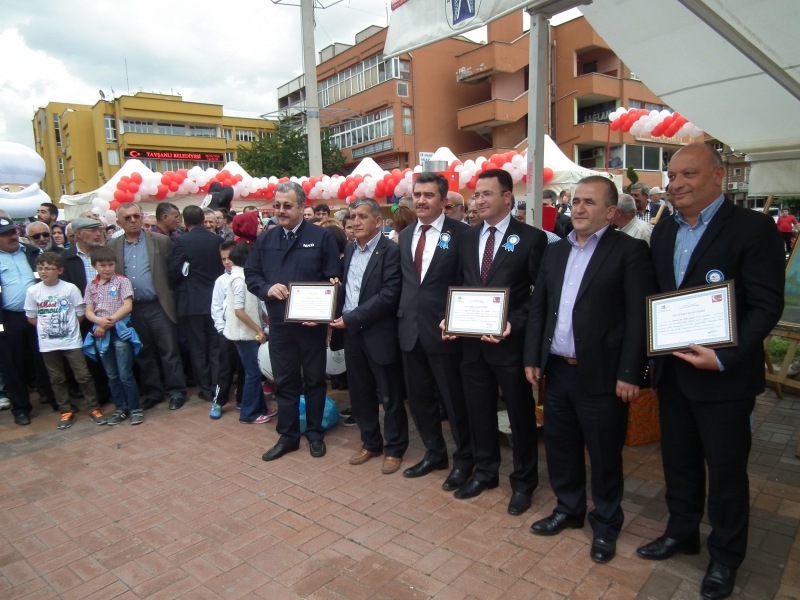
(429, 262)
(368, 304)
(294, 252)
(706, 396)
(144, 258)
(563, 225)
(586, 334)
(501, 253)
(194, 268)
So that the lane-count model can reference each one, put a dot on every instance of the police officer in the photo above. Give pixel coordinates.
(294, 252)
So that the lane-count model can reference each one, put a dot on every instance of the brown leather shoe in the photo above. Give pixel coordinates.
(391, 464)
(362, 456)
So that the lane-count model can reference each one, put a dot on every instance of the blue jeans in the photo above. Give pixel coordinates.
(253, 402)
(118, 363)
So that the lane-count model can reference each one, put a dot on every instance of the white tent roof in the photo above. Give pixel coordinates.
(731, 67)
(368, 167)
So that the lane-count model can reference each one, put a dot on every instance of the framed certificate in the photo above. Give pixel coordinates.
(311, 302)
(704, 315)
(476, 311)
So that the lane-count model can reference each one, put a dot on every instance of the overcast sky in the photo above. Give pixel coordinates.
(235, 53)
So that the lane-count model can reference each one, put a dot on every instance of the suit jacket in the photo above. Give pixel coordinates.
(74, 272)
(312, 256)
(608, 318)
(375, 317)
(747, 248)
(515, 270)
(563, 225)
(423, 304)
(200, 248)
(159, 254)
(31, 252)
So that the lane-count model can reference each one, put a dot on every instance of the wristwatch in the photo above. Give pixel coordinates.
(258, 337)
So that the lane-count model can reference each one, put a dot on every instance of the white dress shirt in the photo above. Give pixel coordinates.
(638, 229)
(431, 241)
(498, 238)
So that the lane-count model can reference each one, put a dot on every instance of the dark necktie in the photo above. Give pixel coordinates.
(289, 237)
(488, 256)
(420, 250)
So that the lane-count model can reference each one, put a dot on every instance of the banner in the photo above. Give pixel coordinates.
(417, 23)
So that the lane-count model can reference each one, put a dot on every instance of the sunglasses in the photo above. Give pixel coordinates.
(37, 236)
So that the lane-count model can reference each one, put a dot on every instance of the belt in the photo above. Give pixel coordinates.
(566, 359)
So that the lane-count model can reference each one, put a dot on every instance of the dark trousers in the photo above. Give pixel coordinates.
(204, 351)
(159, 344)
(19, 349)
(293, 347)
(230, 364)
(54, 361)
(96, 370)
(694, 434)
(423, 371)
(481, 381)
(787, 241)
(573, 418)
(372, 385)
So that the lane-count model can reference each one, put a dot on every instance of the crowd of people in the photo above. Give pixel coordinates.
(168, 301)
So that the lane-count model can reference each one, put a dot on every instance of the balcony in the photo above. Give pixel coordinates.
(495, 57)
(482, 117)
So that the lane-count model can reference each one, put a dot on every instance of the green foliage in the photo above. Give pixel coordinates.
(778, 347)
(632, 177)
(790, 202)
(285, 153)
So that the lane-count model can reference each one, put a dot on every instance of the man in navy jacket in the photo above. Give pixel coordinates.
(295, 252)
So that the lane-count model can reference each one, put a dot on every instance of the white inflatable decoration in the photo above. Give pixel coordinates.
(21, 170)
(334, 363)
(264, 364)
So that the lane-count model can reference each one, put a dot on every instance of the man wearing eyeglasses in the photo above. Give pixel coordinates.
(143, 257)
(19, 347)
(454, 206)
(295, 251)
(38, 234)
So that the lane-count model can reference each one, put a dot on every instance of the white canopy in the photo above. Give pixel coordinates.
(567, 174)
(732, 67)
(368, 167)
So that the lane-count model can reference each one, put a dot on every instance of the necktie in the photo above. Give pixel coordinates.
(488, 256)
(420, 250)
(289, 237)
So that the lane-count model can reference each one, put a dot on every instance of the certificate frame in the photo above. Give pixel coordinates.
(476, 291)
(726, 288)
(331, 316)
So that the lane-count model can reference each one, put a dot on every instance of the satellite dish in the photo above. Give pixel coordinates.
(102, 95)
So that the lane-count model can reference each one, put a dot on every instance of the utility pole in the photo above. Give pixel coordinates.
(312, 99)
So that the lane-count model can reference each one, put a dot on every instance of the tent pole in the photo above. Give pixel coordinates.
(537, 88)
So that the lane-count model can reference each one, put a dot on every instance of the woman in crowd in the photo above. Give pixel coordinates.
(58, 236)
(402, 218)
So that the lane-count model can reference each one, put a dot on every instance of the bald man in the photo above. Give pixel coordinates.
(454, 206)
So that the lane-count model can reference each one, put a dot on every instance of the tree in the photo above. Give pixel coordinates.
(632, 177)
(284, 153)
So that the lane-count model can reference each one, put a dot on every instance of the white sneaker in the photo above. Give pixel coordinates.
(794, 369)
(5, 403)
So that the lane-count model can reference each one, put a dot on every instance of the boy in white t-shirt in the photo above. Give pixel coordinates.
(56, 308)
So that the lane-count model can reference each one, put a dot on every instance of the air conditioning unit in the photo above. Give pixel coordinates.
(598, 152)
(743, 185)
(733, 186)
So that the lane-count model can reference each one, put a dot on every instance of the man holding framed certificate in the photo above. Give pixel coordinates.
(296, 254)
(707, 394)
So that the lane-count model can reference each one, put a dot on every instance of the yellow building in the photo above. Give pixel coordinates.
(83, 146)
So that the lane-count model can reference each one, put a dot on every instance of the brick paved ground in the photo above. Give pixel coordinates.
(182, 506)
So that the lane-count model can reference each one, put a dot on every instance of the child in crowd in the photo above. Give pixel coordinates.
(229, 362)
(56, 308)
(243, 327)
(109, 301)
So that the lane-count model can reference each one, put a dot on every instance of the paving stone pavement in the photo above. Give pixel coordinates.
(183, 507)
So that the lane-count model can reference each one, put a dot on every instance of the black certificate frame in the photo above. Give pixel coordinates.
(504, 292)
(300, 284)
(732, 323)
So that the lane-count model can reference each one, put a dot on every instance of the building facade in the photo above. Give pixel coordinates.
(83, 146)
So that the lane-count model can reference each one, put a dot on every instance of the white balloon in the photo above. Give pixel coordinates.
(326, 195)
(508, 167)
(518, 161)
(103, 205)
(622, 111)
(418, 169)
(110, 216)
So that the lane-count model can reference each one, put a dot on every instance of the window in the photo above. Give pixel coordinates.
(208, 131)
(643, 158)
(402, 89)
(365, 129)
(737, 172)
(171, 129)
(372, 148)
(230, 157)
(227, 134)
(113, 158)
(206, 164)
(747, 174)
(245, 135)
(406, 120)
(67, 140)
(149, 163)
(364, 75)
(57, 127)
(137, 127)
(111, 128)
(405, 72)
(63, 189)
(173, 165)
(60, 165)
(647, 105)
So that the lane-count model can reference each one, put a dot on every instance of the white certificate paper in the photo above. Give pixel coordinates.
(704, 317)
(311, 303)
(476, 311)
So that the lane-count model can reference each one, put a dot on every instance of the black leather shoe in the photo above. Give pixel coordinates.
(276, 451)
(151, 402)
(474, 488)
(603, 550)
(456, 479)
(317, 448)
(176, 403)
(519, 503)
(664, 547)
(22, 419)
(718, 582)
(556, 523)
(424, 467)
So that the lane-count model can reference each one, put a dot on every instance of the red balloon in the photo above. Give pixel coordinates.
(227, 182)
(342, 193)
(136, 178)
(270, 195)
(673, 129)
(668, 121)
(614, 125)
(178, 178)
(387, 177)
(125, 178)
(128, 197)
(183, 172)
(658, 130)
(547, 174)
(166, 179)
(283, 180)
(173, 187)
(306, 186)
(313, 181)
(238, 177)
(119, 196)
(472, 182)
(380, 189)
(626, 127)
(497, 159)
(395, 172)
(121, 185)
(170, 174)
(133, 187)
(489, 164)
(162, 192)
(115, 204)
